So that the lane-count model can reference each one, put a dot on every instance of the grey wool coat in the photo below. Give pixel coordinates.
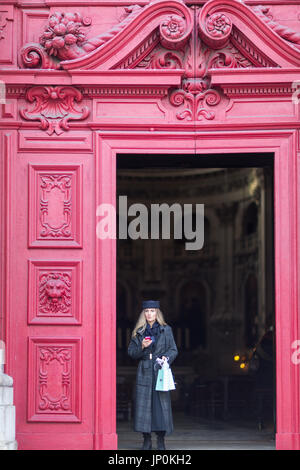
(165, 346)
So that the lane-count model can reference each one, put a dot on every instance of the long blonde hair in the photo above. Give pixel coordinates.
(142, 322)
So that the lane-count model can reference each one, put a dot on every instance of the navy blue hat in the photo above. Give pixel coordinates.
(151, 304)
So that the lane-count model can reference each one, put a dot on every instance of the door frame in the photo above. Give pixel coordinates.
(283, 144)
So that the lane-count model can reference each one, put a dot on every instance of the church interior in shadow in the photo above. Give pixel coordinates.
(219, 300)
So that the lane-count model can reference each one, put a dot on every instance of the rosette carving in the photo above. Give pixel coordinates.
(218, 25)
(214, 29)
(174, 31)
(54, 106)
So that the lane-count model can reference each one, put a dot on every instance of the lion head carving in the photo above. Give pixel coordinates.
(55, 293)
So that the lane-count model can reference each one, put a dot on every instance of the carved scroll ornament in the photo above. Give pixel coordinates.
(54, 107)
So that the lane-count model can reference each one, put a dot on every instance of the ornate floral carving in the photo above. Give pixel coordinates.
(64, 43)
(195, 95)
(54, 378)
(229, 57)
(195, 98)
(54, 107)
(55, 293)
(61, 229)
(64, 35)
(59, 358)
(65, 38)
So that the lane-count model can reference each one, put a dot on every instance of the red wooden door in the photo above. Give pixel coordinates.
(60, 296)
(53, 314)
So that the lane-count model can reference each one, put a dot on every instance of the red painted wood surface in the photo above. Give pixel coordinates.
(160, 77)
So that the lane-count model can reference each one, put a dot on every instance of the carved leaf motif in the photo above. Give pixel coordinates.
(194, 100)
(195, 93)
(195, 96)
(163, 59)
(222, 60)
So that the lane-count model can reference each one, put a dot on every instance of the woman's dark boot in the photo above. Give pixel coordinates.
(147, 445)
(161, 440)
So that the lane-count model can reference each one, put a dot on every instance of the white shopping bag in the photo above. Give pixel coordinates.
(165, 381)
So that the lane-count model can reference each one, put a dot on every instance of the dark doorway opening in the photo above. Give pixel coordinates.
(219, 300)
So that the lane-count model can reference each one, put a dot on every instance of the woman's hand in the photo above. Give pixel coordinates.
(146, 343)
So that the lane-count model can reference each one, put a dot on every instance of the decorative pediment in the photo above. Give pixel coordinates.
(165, 36)
(246, 35)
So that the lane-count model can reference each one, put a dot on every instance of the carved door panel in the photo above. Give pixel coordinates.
(53, 307)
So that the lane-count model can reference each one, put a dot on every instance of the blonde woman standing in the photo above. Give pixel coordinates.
(152, 338)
